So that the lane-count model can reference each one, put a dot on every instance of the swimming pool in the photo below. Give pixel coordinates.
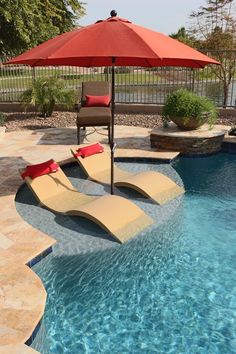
(170, 290)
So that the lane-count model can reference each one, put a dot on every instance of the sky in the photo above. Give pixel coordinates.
(165, 16)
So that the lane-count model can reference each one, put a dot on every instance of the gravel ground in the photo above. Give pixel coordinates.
(21, 121)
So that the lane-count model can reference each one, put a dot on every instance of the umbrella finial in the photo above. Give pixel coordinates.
(113, 13)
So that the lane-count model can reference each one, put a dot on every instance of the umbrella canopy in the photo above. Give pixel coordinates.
(129, 44)
(113, 42)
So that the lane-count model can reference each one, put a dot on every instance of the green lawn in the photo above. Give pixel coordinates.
(15, 82)
(73, 78)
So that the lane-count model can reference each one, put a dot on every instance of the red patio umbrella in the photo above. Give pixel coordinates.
(113, 42)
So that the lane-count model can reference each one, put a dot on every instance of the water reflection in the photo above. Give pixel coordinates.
(156, 93)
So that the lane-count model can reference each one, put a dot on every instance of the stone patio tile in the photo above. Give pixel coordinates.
(11, 230)
(6, 257)
(5, 242)
(9, 217)
(21, 288)
(26, 251)
(26, 233)
(22, 301)
(17, 349)
(16, 325)
(7, 200)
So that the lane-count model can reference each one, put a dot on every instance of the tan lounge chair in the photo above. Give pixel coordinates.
(151, 184)
(94, 116)
(118, 216)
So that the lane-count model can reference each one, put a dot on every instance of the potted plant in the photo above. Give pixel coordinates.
(188, 110)
(45, 92)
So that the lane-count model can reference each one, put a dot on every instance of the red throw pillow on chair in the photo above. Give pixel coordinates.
(97, 101)
(89, 150)
(40, 169)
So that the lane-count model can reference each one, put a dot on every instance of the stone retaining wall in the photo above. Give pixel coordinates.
(201, 141)
(198, 146)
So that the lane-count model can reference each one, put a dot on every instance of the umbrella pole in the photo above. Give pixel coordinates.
(112, 144)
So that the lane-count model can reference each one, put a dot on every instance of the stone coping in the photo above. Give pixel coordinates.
(22, 294)
(17, 349)
(22, 301)
(202, 132)
(230, 139)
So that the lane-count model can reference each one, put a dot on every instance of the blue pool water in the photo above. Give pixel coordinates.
(171, 290)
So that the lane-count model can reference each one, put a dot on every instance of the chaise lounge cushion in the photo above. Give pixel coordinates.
(40, 169)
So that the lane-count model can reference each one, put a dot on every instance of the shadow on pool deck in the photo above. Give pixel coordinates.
(57, 136)
(68, 136)
(10, 176)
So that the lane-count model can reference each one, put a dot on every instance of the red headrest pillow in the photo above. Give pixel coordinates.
(89, 150)
(40, 169)
(97, 101)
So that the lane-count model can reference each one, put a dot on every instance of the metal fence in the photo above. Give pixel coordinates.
(133, 84)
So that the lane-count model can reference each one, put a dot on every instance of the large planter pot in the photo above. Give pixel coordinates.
(188, 124)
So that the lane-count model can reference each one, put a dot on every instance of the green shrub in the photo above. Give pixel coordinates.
(2, 118)
(45, 92)
(185, 104)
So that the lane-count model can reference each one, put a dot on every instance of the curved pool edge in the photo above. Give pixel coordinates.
(22, 293)
(21, 245)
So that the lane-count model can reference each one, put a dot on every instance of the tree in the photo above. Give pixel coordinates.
(25, 23)
(183, 36)
(215, 26)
